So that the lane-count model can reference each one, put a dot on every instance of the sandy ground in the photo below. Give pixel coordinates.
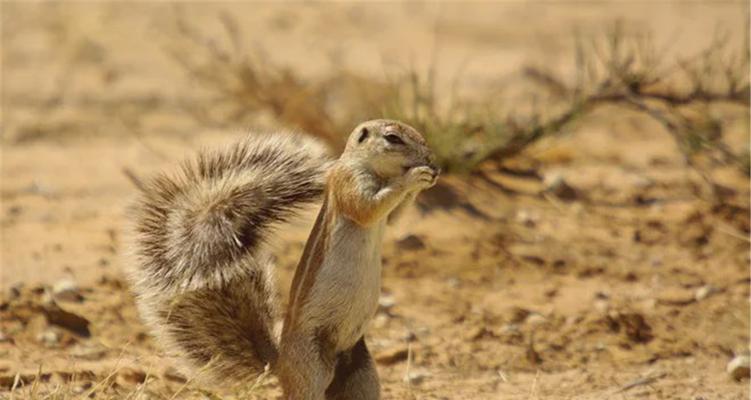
(494, 290)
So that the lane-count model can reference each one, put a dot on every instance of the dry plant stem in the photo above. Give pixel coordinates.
(133, 178)
(675, 131)
(111, 374)
(641, 382)
(614, 67)
(625, 73)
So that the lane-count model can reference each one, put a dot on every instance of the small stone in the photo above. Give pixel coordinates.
(602, 295)
(675, 297)
(47, 299)
(82, 387)
(453, 283)
(704, 292)
(535, 319)
(410, 242)
(392, 356)
(519, 314)
(49, 338)
(380, 321)
(475, 333)
(4, 337)
(88, 352)
(416, 377)
(14, 292)
(130, 376)
(423, 330)
(527, 218)
(557, 186)
(635, 326)
(602, 306)
(172, 374)
(739, 367)
(408, 336)
(386, 302)
(67, 290)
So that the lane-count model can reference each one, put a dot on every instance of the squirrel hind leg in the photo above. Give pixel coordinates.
(355, 375)
(226, 332)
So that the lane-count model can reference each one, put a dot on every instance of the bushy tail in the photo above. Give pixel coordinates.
(201, 279)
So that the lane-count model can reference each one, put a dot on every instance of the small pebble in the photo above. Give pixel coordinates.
(82, 387)
(172, 374)
(89, 351)
(49, 338)
(14, 291)
(410, 242)
(380, 321)
(476, 333)
(408, 336)
(675, 296)
(739, 367)
(535, 319)
(527, 218)
(386, 302)
(423, 330)
(602, 306)
(67, 290)
(130, 376)
(704, 292)
(453, 283)
(416, 377)
(556, 185)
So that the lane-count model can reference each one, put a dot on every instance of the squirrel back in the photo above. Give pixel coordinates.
(202, 279)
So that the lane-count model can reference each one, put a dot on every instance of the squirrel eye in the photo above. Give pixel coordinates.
(363, 135)
(393, 139)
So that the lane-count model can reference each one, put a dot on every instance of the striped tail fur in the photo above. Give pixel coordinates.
(202, 279)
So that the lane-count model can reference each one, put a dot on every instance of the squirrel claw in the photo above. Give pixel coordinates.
(422, 177)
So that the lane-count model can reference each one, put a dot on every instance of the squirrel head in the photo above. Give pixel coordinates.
(388, 148)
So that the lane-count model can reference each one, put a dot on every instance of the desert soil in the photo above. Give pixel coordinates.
(635, 286)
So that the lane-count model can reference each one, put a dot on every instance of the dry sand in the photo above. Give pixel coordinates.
(505, 293)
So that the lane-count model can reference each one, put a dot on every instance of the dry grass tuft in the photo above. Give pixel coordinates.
(615, 67)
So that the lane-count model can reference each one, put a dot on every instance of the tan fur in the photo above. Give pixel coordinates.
(203, 283)
(337, 283)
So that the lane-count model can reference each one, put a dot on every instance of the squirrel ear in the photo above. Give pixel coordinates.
(363, 135)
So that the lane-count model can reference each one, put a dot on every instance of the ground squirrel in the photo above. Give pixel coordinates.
(204, 282)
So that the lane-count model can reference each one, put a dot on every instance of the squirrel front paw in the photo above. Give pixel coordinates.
(421, 178)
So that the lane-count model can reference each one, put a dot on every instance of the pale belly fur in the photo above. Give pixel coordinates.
(349, 282)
